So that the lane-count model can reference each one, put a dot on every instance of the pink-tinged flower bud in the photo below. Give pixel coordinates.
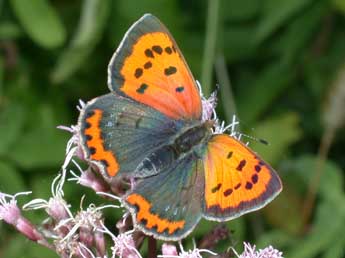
(268, 252)
(57, 209)
(124, 245)
(208, 107)
(168, 249)
(28, 229)
(86, 236)
(89, 179)
(100, 243)
(10, 213)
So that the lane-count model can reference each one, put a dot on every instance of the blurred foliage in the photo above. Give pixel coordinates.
(282, 58)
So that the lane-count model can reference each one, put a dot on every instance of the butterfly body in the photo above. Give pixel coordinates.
(191, 139)
(151, 128)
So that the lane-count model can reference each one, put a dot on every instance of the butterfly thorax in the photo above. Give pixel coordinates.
(191, 139)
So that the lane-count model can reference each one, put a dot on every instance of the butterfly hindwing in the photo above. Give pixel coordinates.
(117, 133)
(169, 205)
(237, 180)
(149, 68)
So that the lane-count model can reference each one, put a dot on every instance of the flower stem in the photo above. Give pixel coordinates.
(210, 45)
(226, 95)
(309, 202)
(152, 246)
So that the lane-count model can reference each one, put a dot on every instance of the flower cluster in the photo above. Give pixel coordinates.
(268, 252)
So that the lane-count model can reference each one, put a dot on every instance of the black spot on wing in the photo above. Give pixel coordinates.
(148, 65)
(255, 178)
(157, 49)
(249, 185)
(168, 50)
(143, 221)
(216, 188)
(92, 150)
(89, 113)
(241, 165)
(170, 70)
(257, 168)
(142, 88)
(105, 163)
(180, 89)
(228, 192)
(149, 53)
(138, 72)
(87, 125)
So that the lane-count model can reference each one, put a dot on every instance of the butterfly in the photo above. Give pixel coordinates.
(150, 128)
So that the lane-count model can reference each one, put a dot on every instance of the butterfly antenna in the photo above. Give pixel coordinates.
(263, 141)
(238, 135)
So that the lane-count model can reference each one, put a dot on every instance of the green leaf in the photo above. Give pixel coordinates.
(2, 68)
(328, 227)
(245, 9)
(166, 10)
(42, 144)
(332, 179)
(9, 31)
(40, 21)
(276, 13)
(337, 250)
(305, 26)
(92, 23)
(11, 181)
(285, 211)
(19, 246)
(268, 85)
(276, 238)
(238, 42)
(339, 5)
(11, 123)
(280, 132)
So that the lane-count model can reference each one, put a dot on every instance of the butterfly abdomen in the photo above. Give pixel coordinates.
(163, 157)
(156, 161)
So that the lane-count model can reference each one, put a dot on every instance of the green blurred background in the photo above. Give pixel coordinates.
(280, 67)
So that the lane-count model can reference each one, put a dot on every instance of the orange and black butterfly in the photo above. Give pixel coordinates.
(151, 128)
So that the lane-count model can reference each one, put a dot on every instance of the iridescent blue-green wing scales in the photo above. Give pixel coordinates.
(169, 204)
(117, 133)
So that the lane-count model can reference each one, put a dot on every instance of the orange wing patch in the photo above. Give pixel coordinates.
(237, 180)
(156, 75)
(149, 68)
(94, 142)
(150, 220)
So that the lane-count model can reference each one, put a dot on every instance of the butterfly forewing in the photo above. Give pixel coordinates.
(149, 68)
(118, 133)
